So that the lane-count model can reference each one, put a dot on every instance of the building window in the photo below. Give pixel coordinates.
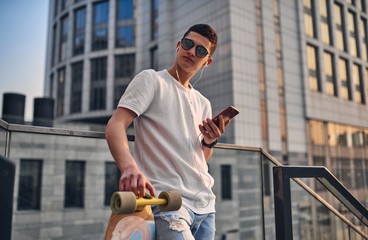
(112, 178)
(98, 84)
(154, 19)
(309, 20)
(124, 23)
(351, 2)
(124, 70)
(330, 74)
(60, 92)
(77, 86)
(313, 69)
(54, 40)
(154, 58)
(30, 181)
(317, 133)
(51, 86)
(56, 8)
(79, 31)
(63, 38)
(325, 22)
(100, 25)
(352, 34)
(64, 4)
(361, 5)
(226, 186)
(344, 78)
(74, 184)
(363, 27)
(340, 43)
(359, 173)
(358, 86)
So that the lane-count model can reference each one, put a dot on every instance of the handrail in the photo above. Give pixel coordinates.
(282, 198)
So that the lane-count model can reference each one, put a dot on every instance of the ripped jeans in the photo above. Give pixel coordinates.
(183, 224)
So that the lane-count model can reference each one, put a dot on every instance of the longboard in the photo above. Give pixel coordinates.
(132, 217)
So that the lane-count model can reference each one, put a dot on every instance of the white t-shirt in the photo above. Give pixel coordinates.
(167, 144)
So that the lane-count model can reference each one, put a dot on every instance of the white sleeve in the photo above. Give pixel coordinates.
(139, 93)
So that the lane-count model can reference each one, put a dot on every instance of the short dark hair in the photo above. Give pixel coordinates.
(206, 31)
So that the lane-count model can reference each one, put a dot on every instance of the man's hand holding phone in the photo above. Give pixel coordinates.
(211, 131)
(214, 128)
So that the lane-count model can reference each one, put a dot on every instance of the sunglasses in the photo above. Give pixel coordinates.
(187, 44)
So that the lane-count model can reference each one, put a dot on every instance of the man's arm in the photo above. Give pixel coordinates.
(132, 178)
(210, 133)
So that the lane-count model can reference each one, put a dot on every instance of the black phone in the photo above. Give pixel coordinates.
(227, 114)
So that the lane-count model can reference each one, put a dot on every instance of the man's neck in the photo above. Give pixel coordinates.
(181, 76)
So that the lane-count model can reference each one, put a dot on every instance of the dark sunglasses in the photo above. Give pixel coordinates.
(187, 44)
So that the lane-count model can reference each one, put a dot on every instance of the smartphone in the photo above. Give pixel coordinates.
(227, 114)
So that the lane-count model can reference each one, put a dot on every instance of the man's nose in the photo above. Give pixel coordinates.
(192, 50)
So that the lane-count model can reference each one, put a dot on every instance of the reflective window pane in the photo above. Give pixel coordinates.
(74, 184)
(314, 83)
(30, 178)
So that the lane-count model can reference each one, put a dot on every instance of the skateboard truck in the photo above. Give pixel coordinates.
(127, 202)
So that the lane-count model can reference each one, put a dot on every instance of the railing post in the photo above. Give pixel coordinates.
(282, 199)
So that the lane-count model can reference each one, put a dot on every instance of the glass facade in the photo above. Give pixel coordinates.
(309, 23)
(340, 39)
(112, 178)
(330, 74)
(347, 152)
(358, 86)
(100, 25)
(29, 192)
(325, 21)
(79, 31)
(98, 84)
(125, 23)
(344, 78)
(74, 184)
(63, 38)
(363, 32)
(124, 71)
(226, 190)
(77, 87)
(60, 92)
(313, 69)
(154, 19)
(352, 34)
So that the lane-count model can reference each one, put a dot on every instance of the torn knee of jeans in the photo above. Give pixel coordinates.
(174, 223)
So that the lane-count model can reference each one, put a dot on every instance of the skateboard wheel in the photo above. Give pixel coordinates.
(123, 202)
(173, 201)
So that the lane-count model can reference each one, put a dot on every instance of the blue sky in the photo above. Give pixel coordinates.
(23, 28)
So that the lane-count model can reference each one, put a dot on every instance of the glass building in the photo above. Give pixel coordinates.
(290, 67)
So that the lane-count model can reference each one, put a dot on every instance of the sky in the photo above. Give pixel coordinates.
(23, 32)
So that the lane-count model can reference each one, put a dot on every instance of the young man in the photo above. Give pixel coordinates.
(174, 136)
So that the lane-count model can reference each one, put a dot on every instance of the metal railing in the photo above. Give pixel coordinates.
(282, 190)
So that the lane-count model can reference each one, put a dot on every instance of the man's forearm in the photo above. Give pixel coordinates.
(118, 143)
(207, 152)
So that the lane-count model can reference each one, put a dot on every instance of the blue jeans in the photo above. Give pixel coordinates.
(183, 224)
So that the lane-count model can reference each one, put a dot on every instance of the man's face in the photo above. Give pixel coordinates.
(187, 60)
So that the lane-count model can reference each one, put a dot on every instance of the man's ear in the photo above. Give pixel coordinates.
(208, 62)
(178, 46)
